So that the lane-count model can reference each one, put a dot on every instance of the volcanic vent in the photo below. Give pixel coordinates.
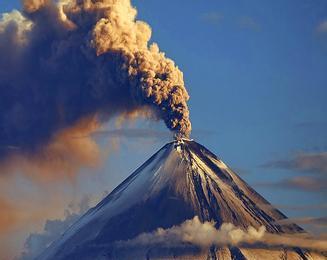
(182, 180)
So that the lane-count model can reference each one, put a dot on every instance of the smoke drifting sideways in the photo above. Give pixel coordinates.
(71, 65)
(204, 235)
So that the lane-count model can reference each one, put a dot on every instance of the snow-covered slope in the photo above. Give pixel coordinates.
(182, 180)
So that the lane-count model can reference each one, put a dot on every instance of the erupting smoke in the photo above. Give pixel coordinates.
(62, 63)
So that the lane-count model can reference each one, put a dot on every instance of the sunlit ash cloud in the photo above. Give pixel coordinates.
(66, 68)
(69, 66)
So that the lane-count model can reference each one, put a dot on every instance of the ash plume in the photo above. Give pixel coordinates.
(71, 61)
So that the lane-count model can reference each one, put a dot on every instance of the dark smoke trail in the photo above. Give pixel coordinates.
(63, 63)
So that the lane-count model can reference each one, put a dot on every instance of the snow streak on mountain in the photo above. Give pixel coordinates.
(181, 181)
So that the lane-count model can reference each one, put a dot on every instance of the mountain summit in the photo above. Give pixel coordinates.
(180, 181)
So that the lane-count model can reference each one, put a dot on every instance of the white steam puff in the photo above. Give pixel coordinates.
(205, 235)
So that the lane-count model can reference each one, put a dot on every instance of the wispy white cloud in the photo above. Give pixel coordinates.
(305, 183)
(248, 22)
(313, 165)
(133, 133)
(304, 162)
(214, 17)
(319, 222)
(301, 183)
(305, 207)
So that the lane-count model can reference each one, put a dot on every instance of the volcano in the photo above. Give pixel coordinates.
(182, 180)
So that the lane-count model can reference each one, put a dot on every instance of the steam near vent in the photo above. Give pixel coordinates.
(71, 61)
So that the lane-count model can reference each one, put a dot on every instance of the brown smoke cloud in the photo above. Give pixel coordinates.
(37, 242)
(73, 61)
(59, 159)
(9, 216)
(26, 206)
(16, 221)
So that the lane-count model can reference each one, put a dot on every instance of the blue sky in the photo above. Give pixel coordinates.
(256, 74)
(255, 71)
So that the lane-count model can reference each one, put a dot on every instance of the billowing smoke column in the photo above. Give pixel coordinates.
(71, 60)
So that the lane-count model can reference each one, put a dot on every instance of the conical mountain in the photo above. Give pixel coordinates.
(182, 180)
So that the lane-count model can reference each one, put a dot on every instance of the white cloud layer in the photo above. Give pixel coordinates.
(205, 234)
